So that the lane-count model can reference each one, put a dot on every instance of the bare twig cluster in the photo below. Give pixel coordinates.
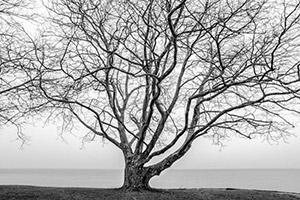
(153, 76)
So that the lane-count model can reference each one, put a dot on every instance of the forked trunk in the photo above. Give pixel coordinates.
(136, 177)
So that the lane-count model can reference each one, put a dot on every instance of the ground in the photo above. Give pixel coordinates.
(56, 193)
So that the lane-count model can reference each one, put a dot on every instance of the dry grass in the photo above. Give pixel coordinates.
(53, 193)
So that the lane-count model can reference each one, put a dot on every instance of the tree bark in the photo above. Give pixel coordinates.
(136, 176)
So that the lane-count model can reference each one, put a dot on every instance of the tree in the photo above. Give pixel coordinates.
(16, 69)
(153, 76)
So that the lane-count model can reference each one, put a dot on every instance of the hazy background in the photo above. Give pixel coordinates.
(47, 150)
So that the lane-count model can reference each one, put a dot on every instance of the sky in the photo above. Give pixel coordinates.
(47, 150)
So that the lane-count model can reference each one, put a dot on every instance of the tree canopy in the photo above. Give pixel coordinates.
(153, 76)
(16, 64)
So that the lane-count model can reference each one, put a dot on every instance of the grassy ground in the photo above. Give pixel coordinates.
(47, 193)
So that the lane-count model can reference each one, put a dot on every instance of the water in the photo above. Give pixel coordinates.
(263, 179)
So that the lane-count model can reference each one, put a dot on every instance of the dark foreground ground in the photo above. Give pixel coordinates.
(47, 193)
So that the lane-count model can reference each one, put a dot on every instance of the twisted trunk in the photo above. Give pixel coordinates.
(136, 176)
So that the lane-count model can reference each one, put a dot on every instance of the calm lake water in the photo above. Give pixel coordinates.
(263, 179)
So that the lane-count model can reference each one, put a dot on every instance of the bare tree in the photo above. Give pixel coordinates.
(16, 69)
(153, 76)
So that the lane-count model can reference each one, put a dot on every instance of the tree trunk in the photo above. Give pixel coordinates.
(136, 176)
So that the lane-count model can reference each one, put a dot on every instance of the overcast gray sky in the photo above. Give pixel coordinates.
(45, 150)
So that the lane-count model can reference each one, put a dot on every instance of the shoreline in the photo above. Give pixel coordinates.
(27, 192)
(257, 179)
